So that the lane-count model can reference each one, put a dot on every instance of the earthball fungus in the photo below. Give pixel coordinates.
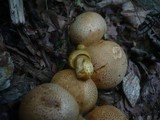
(109, 62)
(85, 92)
(87, 28)
(106, 112)
(49, 102)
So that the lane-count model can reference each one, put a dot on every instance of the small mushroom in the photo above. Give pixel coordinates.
(110, 63)
(87, 28)
(106, 112)
(49, 102)
(85, 92)
(81, 62)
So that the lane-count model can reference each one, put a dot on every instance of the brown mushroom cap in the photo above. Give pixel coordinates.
(85, 92)
(49, 102)
(109, 62)
(106, 112)
(87, 28)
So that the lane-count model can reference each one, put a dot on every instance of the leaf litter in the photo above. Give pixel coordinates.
(131, 84)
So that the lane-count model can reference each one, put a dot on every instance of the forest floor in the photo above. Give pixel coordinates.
(40, 48)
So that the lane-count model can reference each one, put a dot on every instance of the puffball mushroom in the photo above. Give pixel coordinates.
(110, 63)
(80, 60)
(49, 102)
(87, 28)
(106, 112)
(85, 92)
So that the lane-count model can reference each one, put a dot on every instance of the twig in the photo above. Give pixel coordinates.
(16, 50)
(45, 59)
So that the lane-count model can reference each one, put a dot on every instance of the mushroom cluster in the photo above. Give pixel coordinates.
(72, 92)
(108, 58)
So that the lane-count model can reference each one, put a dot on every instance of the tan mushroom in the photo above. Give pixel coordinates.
(87, 28)
(80, 60)
(85, 92)
(110, 63)
(106, 112)
(49, 102)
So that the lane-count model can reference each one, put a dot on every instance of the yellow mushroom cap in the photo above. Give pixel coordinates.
(49, 102)
(80, 60)
(109, 62)
(85, 92)
(73, 56)
(106, 112)
(87, 28)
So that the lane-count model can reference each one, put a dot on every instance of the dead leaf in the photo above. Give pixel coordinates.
(62, 21)
(132, 67)
(151, 90)
(20, 85)
(149, 4)
(104, 3)
(136, 16)
(41, 5)
(131, 86)
(112, 32)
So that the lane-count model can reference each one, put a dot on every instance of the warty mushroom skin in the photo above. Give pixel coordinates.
(110, 63)
(85, 92)
(49, 102)
(87, 28)
(106, 112)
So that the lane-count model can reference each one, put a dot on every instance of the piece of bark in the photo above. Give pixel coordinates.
(17, 11)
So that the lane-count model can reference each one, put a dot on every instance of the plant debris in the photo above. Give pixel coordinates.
(131, 84)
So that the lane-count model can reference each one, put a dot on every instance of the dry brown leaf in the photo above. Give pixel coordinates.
(131, 88)
(6, 70)
(131, 84)
(62, 21)
(135, 15)
(103, 3)
(111, 32)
